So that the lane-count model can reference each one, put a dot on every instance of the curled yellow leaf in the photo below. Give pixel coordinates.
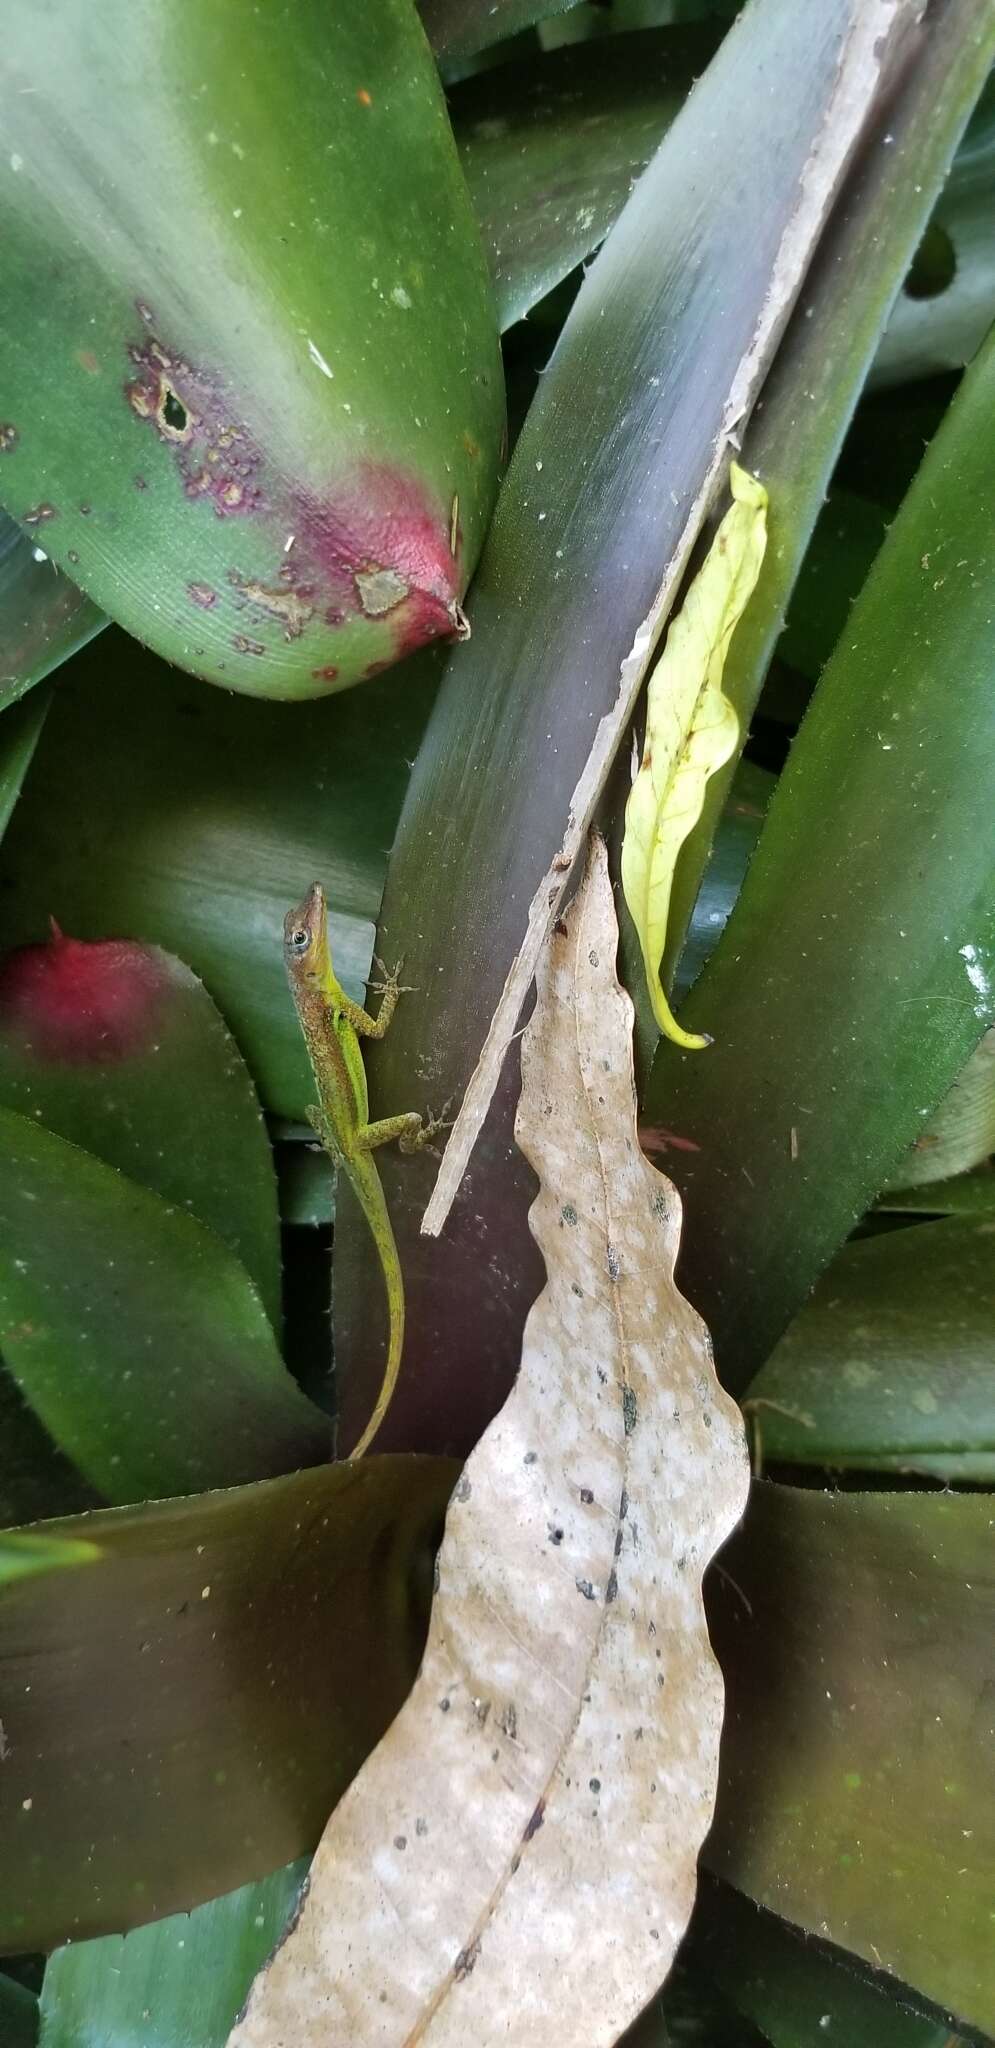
(691, 729)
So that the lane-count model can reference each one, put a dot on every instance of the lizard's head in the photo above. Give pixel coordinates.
(305, 937)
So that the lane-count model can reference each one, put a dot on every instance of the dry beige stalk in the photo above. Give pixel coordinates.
(516, 1862)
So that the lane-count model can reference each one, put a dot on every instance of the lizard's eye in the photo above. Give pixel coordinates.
(300, 939)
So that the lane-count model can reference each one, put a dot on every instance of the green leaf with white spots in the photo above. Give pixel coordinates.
(134, 1333)
(252, 392)
(888, 1367)
(118, 1047)
(175, 1983)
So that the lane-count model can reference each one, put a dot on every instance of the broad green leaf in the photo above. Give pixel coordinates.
(847, 535)
(888, 1367)
(197, 825)
(948, 300)
(795, 437)
(855, 1635)
(177, 1983)
(252, 386)
(24, 1554)
(36, 1478)
(690, 2012)
(43, 617)
(18, 2014)
(732, 850)
(674, 324)
(183, 1715)
(971, 1194)
(691, 730)
(134, 1333)
(119, 1048)
(458, 28)
(961, 1133)
(20, 731)
(797, 1991)
(854, 978)
(551, 148)
(307, 1184)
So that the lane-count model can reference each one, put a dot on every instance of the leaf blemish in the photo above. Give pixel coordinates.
(536, 1821)
(215, 456)
(292, 604)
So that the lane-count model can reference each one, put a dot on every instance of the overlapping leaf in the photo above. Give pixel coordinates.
(134, 1333)
(182, 1715)
(857, 971)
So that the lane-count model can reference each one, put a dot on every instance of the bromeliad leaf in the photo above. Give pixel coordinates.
(691, 729)
(23, 1552)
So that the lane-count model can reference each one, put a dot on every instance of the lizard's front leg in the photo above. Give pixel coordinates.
(412, 1131)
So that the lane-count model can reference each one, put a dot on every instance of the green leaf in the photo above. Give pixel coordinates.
(23, 1555)
(689, 2012)
(183, 1715)
(854, 1631)
(795, 436)
(844, 541)
(134, 1333)
(458, 28)
(888, 1367)
(961, 1133)
(36, 1478)
(732, 850)
(197, 826)
(18, 2014)
(948, 300)
(307, 1183)
(854, 977)
(797, 1991)
(20, 731)
(971, 1194)
(691, 730)
(119, 1048)
(610, 478)
(251, 374)
(551, 148)
(175, 1984)
(43, 617)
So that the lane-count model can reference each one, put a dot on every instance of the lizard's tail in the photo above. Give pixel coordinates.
(374, 1206)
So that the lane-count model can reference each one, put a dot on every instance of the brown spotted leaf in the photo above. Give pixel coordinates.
(516, 1862)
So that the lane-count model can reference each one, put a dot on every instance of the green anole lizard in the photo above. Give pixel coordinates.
(332, 1027)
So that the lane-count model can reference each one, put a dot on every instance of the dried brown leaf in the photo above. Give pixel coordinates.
(516, 1862)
